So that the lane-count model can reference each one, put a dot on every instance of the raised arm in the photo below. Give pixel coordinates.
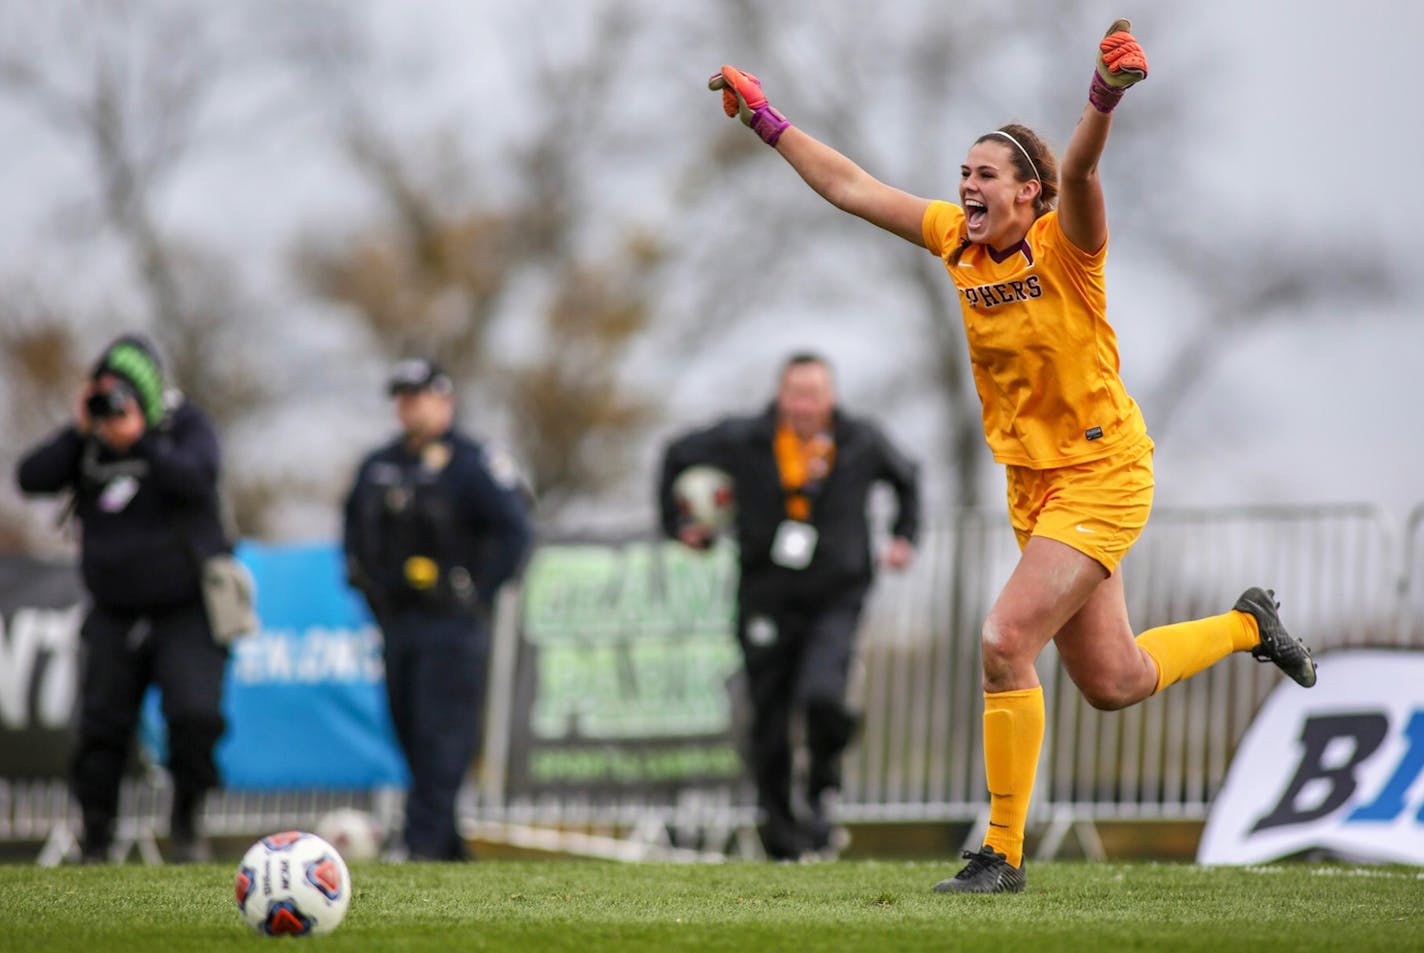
(835, 178)
(184, 460)
(1081, 211)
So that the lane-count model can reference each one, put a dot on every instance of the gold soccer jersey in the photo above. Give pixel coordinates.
(1045, 359)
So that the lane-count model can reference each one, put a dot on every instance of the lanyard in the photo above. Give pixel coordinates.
(804, 466)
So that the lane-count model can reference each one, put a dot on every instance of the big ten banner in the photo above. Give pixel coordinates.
(305, 697)
(1337, 769)
(623, 667)
(41, 608)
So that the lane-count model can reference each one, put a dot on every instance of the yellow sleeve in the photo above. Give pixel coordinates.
(1084, 260)
(941, 225)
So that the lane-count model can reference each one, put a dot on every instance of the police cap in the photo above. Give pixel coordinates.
(416, 374)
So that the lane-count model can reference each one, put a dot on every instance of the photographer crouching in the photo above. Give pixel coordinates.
(141, 464)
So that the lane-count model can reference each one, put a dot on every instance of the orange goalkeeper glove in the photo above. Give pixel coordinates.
(1121, 63)
(742, 96)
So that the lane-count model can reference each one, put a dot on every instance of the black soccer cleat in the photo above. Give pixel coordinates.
(1277, 645)
(988, 871)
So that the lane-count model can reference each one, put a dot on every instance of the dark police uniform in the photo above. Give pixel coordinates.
(430, 537)
(146, 518)
(797, 626)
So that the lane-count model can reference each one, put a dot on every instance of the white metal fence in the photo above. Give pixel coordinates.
(1335, 571)
(1344, 576)
(1338, 571)
(1410, 630)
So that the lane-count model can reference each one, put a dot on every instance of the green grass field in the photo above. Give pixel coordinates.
(587, 907)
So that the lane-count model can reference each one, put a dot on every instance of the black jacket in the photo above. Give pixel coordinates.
(451, 504)
(743, 447)
(147, 516)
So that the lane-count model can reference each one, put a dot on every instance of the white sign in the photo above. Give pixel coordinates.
(1338, 767)
(38, 668)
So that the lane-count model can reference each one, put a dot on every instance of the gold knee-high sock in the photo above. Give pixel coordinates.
(1185, 648)
(1013, 735)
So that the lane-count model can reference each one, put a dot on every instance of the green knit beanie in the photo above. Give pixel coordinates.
(135, 362)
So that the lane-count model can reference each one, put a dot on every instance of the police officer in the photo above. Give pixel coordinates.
(141, 464)
(802, 472)
(434, 525)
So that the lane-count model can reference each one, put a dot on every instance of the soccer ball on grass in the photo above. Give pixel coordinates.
(292, 884)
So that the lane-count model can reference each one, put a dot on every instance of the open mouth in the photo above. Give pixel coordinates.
(975, 212)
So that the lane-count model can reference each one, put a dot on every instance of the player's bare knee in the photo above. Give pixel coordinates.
(1108, 702)
(1106, 694)
(1002, 650)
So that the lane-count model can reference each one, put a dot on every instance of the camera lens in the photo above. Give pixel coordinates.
(97, 405)
(108, 403)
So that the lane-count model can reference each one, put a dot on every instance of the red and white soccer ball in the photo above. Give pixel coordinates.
(292, 884)
(355, 833)
(705, 496)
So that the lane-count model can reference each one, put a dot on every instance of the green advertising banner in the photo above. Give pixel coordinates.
(626, 654)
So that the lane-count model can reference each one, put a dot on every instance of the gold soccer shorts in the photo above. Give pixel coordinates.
(1097, 508)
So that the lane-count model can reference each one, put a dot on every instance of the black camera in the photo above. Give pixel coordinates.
(108, 403)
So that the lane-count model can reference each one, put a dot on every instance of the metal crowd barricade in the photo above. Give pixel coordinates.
(1342, 576)
(43, 811)
(920, 757)
(1409, 629)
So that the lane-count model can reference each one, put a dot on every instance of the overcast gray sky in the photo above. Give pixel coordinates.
(1316, 127)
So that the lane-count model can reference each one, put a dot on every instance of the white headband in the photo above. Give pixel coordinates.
(1031, 165)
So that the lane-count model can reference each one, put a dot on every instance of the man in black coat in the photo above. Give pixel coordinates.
(434, 524)
(802, 472)
(141, 463)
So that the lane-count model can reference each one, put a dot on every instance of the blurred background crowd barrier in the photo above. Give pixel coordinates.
(613, 722)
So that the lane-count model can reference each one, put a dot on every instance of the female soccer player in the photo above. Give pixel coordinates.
(1025, 249)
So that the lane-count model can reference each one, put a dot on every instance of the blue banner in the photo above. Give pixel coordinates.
(305, 698)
